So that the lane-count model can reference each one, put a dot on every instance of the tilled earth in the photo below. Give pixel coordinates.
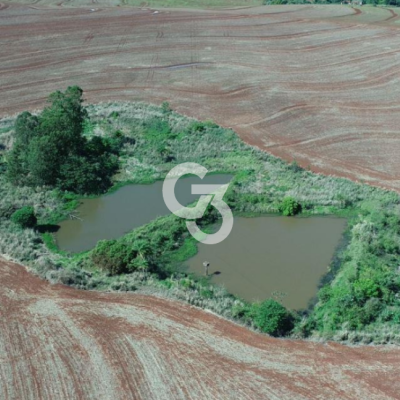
(60, 343)
(315, 84)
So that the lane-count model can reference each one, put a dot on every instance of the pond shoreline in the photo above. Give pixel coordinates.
(356, 301)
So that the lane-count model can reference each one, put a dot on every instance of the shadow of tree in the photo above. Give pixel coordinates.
(47, 228)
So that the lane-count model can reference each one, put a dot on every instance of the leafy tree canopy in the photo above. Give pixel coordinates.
(272, 317)
(289, 206)
(50, 149)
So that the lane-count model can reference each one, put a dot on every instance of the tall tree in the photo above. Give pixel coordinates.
(43, 162)
(26, 127)
(51, 150)
(63, 121)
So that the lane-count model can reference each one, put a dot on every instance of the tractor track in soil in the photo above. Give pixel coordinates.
(59, 342)
(310, 83)
(233, 66)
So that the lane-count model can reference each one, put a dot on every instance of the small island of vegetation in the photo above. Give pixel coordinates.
(52, 159)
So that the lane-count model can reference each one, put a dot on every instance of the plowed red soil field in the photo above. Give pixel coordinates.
(313, 83)
(316, 84)
(60, 343)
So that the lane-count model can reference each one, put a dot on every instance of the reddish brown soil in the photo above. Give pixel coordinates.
(315, 84)
(60, 343)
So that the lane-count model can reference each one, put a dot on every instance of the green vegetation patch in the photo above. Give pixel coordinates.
(25, 217)
(359, 298)
(51, 149)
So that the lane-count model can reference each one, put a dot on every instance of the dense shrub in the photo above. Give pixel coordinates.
(289, 206)
(83, 174)
(25, 217)
(114, 257)
(372, 309)
(200, 126)
(272, 317)
(391, 314)
(141, 249)
(365, 289)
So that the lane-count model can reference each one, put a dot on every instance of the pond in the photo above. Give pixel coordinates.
(113, 215)
(271, 254)
(261, 256)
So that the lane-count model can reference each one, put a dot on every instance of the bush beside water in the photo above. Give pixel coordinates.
(25, 217)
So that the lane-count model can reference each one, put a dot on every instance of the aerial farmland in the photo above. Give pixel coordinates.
(306, 83)
(292, 109)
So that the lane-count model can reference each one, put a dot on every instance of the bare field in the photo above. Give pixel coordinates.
(146, 3)
(315, 84)
(60, 343)
(319, 84)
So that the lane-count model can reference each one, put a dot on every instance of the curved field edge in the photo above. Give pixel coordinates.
(359, 299)
(60, 343)
(143, 4)
(311, 83)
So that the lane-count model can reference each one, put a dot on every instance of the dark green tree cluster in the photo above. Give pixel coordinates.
(116, 257)
(50, 149)
(141, 249)
(268, 316)
(25, 217)
(272, 317)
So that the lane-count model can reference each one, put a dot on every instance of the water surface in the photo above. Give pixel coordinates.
(113, 215)
(272, 254)
(261, 255)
